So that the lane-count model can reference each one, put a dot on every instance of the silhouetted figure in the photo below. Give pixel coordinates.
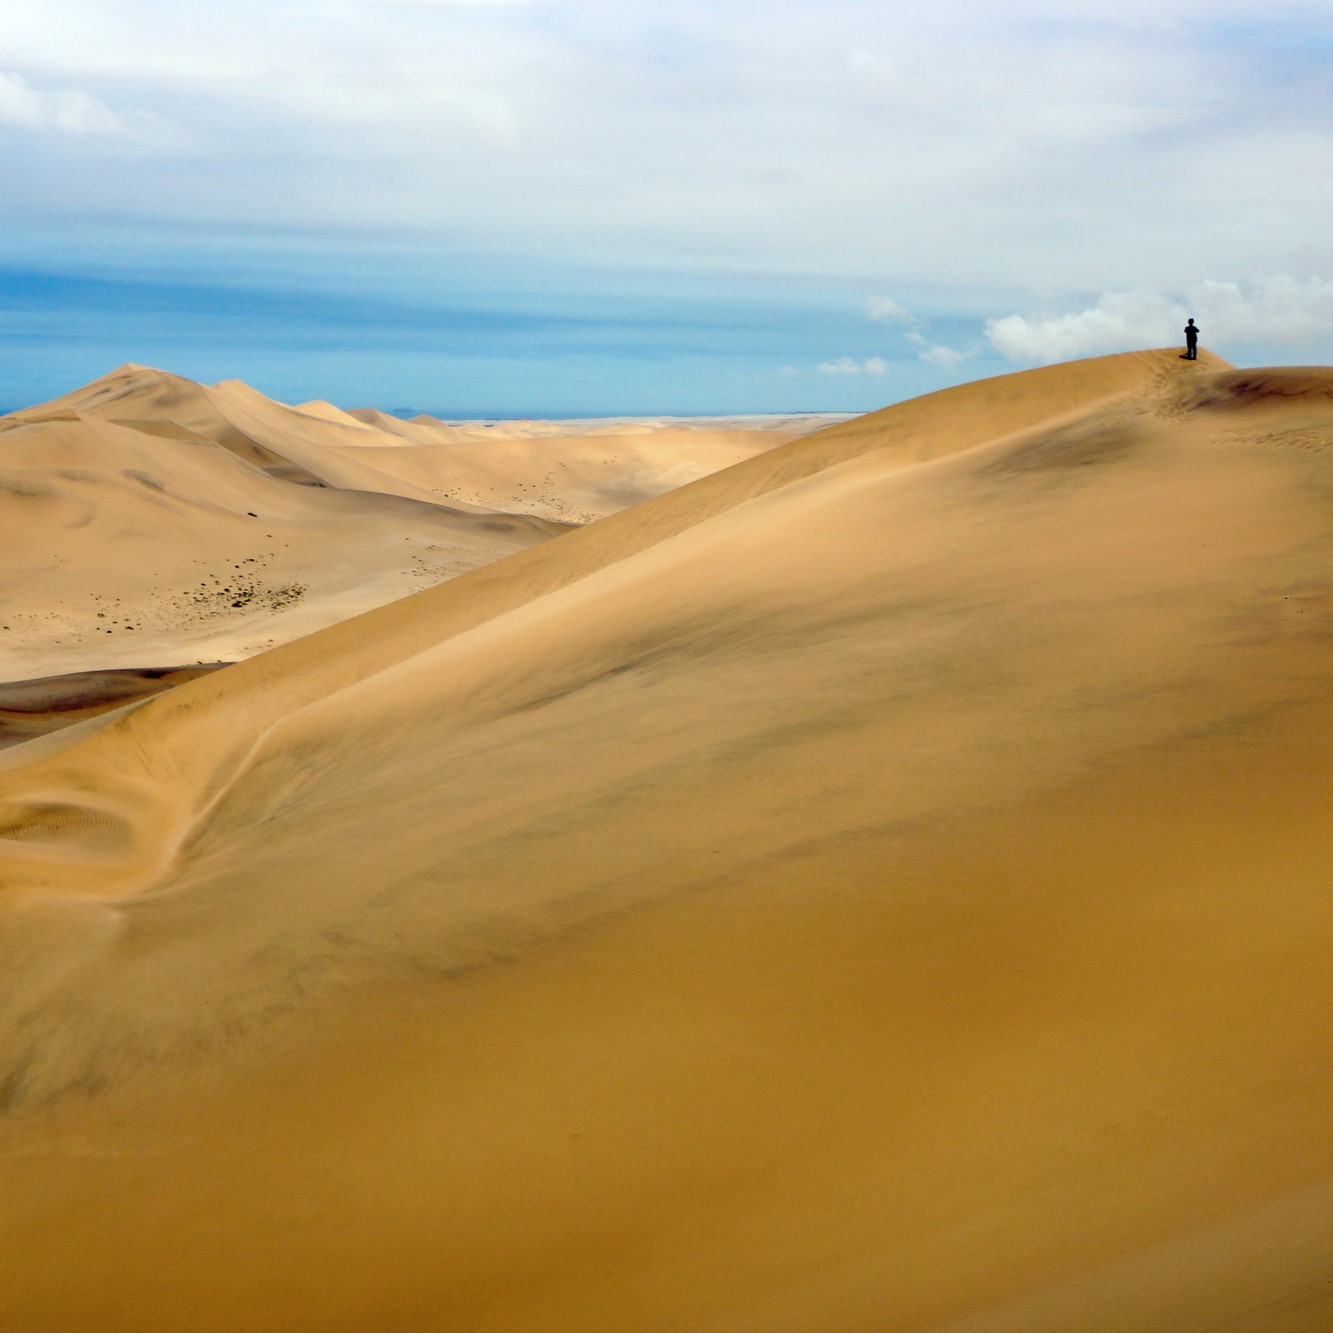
(1191, 342)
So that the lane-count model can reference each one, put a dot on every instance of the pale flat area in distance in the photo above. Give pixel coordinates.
(879, 887)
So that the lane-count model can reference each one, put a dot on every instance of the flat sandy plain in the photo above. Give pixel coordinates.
(881, 886)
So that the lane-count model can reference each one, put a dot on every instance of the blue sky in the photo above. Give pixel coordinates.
(545, 207)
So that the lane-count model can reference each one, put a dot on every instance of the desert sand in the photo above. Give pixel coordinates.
(881, 886)
(150, 522)
(567, 471)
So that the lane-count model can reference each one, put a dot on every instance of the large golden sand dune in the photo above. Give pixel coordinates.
(881, 886)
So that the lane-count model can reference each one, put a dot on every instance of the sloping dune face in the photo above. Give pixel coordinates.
(881, 886)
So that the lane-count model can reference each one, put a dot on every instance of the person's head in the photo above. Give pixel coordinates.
(1191, 323)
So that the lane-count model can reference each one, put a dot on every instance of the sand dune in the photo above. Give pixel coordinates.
(148, 521)
(879, 886)
(563, 471)
(30, 708)
(572, 471)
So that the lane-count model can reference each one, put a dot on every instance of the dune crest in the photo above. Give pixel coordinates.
(880, 885)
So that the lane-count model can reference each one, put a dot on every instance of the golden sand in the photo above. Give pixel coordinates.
(148, 521)
(880, 886)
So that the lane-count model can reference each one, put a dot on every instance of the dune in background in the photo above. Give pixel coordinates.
(147, 521)
(567, 471)
(879, 886)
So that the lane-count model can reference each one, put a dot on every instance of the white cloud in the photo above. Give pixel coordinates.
(947, 357)
(887, 311)
(439, 4)
(1277, 309)
(968, 146)
(1120, 321)
(936, 354)
(846, 365)
(68, 110)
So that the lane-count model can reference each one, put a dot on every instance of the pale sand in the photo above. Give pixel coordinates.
(570, 471)
(881, 886)
(148, 521)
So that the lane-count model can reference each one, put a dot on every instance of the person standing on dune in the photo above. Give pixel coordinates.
(1191, 341)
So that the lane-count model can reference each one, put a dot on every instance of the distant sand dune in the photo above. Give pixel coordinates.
(882, 885)
(570, 471)
(149, 521)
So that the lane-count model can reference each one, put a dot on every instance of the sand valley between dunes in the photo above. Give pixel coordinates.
(879, 885)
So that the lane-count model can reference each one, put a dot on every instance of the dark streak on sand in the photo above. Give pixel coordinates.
(31, 708)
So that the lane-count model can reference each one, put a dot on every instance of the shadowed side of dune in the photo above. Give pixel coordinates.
(30, 708)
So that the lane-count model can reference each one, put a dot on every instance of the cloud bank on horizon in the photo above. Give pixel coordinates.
(1278, 311)
(701, 207)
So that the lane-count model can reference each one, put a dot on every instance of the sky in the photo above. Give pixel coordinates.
(584, 207)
